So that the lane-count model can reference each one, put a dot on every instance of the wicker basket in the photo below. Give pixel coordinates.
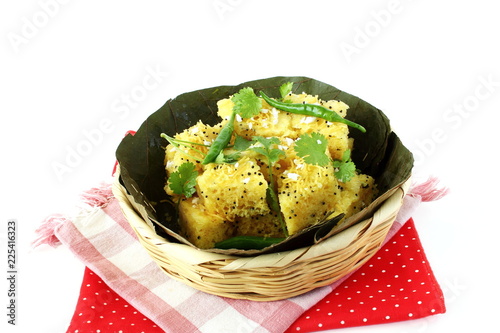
(266, 277)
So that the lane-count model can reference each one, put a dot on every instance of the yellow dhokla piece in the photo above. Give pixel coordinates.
(356, 194)
(305, 193)
(200, 227)
(232, 190)
(259, 225)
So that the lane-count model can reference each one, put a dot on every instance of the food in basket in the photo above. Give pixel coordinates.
(269, 169)
(142, 173)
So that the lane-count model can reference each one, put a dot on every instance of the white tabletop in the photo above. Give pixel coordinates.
(75, 76)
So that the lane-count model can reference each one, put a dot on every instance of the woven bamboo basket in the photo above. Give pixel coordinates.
(265, 277)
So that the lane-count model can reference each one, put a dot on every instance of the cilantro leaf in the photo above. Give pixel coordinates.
(285, 89)
(345, 169)
(312, 148)
(246, 103)
(183, 181)
(273, 155)
(241, 144)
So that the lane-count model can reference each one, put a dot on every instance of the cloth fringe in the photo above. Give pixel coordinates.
(428, 190)
(98, 197)
(46, 233)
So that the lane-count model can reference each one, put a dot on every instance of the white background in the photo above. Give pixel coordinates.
(69, 68)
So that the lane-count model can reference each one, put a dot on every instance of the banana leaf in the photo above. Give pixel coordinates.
(378, 152)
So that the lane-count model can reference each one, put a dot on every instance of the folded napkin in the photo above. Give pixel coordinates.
(124, 286)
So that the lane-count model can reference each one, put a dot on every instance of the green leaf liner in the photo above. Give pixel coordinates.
(378, 152)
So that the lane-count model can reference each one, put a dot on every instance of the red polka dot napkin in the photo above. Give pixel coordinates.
(124, 290)
(396, 284)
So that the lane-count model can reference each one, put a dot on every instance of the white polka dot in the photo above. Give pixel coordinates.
(320, 325)
(374, 308)
(409, 280)
(97, 293)
(365, 320)
(352, 310)
(85, 298)
(88, 321)
(396, 305)
(342, 322)
(297, 329)
(88, 285)
(410, 314)
(110, 323)
(419, 302)
(387, 317)
(433, 310)
(329, 313)
(388, 286)
(80, 314)
(306, 317)
(396, 276)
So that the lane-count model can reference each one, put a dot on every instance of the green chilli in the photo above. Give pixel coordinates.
(248, 242)
(311, 110)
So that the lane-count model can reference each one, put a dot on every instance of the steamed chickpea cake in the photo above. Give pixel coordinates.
(268, 180)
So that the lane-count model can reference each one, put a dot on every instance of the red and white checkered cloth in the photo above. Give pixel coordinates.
(104, 241)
